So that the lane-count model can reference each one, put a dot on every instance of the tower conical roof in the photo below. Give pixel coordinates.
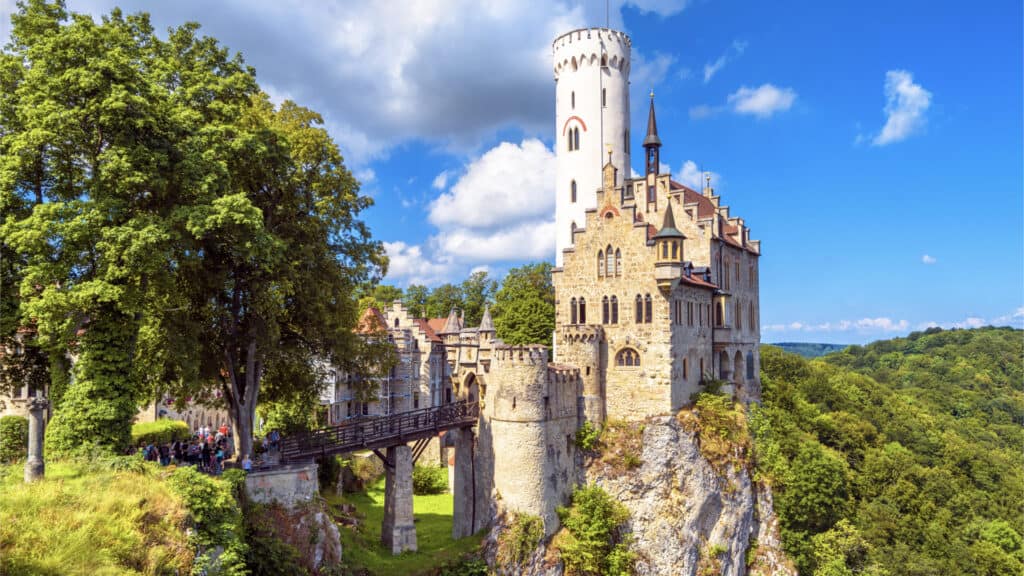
(486, 324)
(668, 227)
(453, 325)
(652, 127)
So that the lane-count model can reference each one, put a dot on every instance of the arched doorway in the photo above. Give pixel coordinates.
(472, 387)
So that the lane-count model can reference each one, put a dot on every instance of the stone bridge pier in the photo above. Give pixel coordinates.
(398, 531)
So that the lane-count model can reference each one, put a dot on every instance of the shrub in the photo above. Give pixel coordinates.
(721, 426)
(328, 468)
(519, 539)
(468, 567)
(429, 480)
(217, 518)
(160, 432)
(13, 438)
(623, 445)
(594, 541)
(588, 437)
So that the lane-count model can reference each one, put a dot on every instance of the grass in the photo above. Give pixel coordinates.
(90, 522)
(362, 549)
(622, 445)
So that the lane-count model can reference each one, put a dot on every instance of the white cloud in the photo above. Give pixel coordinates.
(508, 185)
(408, 264)
(864, 325)
(365, 175)
(649, 73)
(500, 210)
(926, 259)
(763, 101)
(691, 175)
(441, 181)
(383, 73)
(733, 52)
(1015, 319)
(905, 107)
(702, 111)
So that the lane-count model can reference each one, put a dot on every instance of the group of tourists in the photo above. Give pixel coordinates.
(206, 450)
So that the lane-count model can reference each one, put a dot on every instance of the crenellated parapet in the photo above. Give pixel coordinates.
(579, 333)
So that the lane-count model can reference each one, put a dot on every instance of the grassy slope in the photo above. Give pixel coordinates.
(362, 548)
(95, 523)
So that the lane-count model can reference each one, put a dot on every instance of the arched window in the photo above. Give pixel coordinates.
(572, 192)
(572, 311)
(675, 250)
(609, 258)
(664, 250)
(576, 136)
(618, 262)
(639, 310)
(574, 100)
(738, 312)
(719, 314)
(615, 310)
(604, 60)
(627, 357)
(604, 310)
(648, 309)
(570, 140)
(583, 311)
(750, 365)
(600, 263)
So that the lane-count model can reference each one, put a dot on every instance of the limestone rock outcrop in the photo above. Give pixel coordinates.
(686, 518)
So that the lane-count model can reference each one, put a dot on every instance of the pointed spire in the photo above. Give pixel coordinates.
(668, 227)
(486, 324)
(652, 127)
(453, 325)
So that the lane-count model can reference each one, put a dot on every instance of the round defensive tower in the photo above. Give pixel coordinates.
(591, 69)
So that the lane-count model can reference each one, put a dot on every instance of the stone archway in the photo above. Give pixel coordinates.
(472, 386)
(723, 365)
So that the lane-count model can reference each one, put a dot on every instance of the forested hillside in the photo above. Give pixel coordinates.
(899, 457)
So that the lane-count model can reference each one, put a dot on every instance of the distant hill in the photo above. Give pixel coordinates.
(810, 349)
(900, 457)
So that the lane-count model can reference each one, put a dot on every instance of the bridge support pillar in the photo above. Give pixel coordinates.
(398, 531)
(463, 491)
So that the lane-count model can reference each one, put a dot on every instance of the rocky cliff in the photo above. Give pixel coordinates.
(693, 510)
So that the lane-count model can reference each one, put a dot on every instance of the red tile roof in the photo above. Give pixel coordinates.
(437, 324)
(424, 325)
(705, 208)
(371, 322)
(697, 280)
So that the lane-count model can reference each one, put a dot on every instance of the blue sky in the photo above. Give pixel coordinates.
(875, 148)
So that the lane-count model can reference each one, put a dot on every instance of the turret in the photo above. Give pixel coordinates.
(668, 246)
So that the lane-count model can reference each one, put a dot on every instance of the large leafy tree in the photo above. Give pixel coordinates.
(183, 234)
(442, 300)
(267, 282)
(477, 293)
(103, 132)
(524, 309)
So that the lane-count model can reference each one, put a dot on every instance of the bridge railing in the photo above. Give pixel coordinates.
(378, 432)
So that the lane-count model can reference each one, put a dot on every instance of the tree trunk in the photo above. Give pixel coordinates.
(242, 419)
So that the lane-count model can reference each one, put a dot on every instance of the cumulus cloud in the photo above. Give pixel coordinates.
(763, 101)
(863, 325)
(905, 106)
(440, 181)
(926, 259)
(691, 175)
(702, 111)
(501, 209)
(733, 52)
(648, 73)
(385, 72)
(1014, 319)
(408, 264)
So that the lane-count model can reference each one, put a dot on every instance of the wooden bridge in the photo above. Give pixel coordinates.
(380, 432)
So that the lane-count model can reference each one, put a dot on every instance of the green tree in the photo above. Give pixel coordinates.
(415, 300)
(477, 293)
(105, 129)
(524, 308)
(442, 300)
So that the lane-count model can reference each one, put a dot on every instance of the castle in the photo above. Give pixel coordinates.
(656, 290)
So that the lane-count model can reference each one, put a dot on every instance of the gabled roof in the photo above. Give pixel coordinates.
(424, 326)
(437, 324)
(371, 322)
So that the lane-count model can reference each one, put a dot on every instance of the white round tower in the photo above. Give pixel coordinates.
(591, 116)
